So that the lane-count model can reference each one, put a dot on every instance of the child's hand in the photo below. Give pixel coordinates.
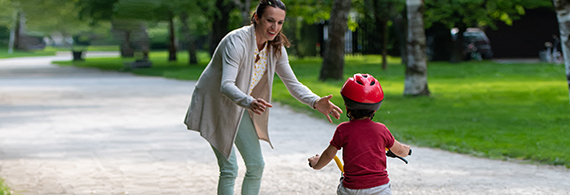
(313, 160)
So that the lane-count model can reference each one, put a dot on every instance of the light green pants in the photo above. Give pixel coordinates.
(249, 147)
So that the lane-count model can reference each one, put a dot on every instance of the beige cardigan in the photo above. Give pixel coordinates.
(219, 98)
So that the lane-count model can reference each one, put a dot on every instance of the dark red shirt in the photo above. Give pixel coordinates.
(363, 144)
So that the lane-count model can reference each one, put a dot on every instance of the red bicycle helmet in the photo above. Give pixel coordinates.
(362, 91)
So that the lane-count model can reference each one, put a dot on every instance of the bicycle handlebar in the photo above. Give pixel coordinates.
(389, 153)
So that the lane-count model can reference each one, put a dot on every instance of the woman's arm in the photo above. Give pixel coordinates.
(318, 162)
(301, 92)
(233, 50)
(400, 149)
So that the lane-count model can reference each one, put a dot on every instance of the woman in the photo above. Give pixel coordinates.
(238, 78)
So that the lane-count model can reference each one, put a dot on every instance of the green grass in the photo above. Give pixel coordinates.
(88, 48)
(4, 53)
(4, 189)
(499, 111)
(50, 51)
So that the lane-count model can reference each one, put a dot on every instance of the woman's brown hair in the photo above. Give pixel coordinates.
(280, 39)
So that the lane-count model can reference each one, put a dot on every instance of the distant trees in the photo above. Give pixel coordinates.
(462, 14)
(46, 18)
(190, 21)
(377, 16)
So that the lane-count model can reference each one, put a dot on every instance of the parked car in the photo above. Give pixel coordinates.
(477, 38)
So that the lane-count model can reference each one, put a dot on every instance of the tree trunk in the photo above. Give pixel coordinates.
(382, 16)
(245, 11)
(77, 55)
(18, 31)
(126, 50)
(415, 83)
(384, 44)
(562, 8)
(220, 23)
(172, 47)
(14, 32)
(188, 39)
(333, 63)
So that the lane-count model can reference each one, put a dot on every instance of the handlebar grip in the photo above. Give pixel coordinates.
(389, 153)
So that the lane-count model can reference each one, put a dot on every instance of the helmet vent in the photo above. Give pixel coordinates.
(372, 83)
(359, 82)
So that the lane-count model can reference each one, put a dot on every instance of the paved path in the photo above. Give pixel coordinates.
(66, 130)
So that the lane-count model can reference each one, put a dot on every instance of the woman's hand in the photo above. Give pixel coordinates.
(325, 106)
(258, 106)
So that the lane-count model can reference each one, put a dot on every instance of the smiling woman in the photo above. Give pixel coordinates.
(230, 103)
(268, 21)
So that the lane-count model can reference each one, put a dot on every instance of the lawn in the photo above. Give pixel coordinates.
(499, 111)
(50, 51)
(16, 53)
(4, 189)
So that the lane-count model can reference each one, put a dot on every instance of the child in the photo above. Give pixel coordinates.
(363, 141)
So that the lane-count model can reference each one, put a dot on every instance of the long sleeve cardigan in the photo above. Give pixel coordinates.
(219, 98)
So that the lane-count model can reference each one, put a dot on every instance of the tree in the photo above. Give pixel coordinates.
(219, 15)
(380, 12)
(167, 11)
(189, 40)
(130, 18)
(562, 8)
(245, 9)
(333, 62)
(192, 21)
(302, 15)
(49, 17)
(463, 14)
(415, 83)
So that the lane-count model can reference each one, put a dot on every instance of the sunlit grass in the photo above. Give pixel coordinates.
(504, 111)
(4, 189)
(16, 53)
(88, 48)
(50, 51)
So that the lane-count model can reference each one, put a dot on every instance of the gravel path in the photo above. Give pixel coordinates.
(66, 130)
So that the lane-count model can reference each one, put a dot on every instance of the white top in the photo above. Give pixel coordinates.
(218, 101)
(259, 67)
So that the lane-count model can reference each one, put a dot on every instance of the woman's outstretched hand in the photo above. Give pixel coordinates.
(325, 106)
(258, 105)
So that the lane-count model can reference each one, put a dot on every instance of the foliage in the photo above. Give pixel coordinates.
(475, 13)
(309, 11)
(4, 189)
(49, 16)
(6, 13)
(502, 111)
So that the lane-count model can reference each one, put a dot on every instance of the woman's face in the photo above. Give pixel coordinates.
(270, 24)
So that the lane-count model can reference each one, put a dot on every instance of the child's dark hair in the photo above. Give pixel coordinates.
(359, 113)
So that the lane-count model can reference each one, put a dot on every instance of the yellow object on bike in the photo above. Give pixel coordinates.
(339, 164)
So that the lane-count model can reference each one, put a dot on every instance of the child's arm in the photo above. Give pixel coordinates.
(318, 162)
(400, 149)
